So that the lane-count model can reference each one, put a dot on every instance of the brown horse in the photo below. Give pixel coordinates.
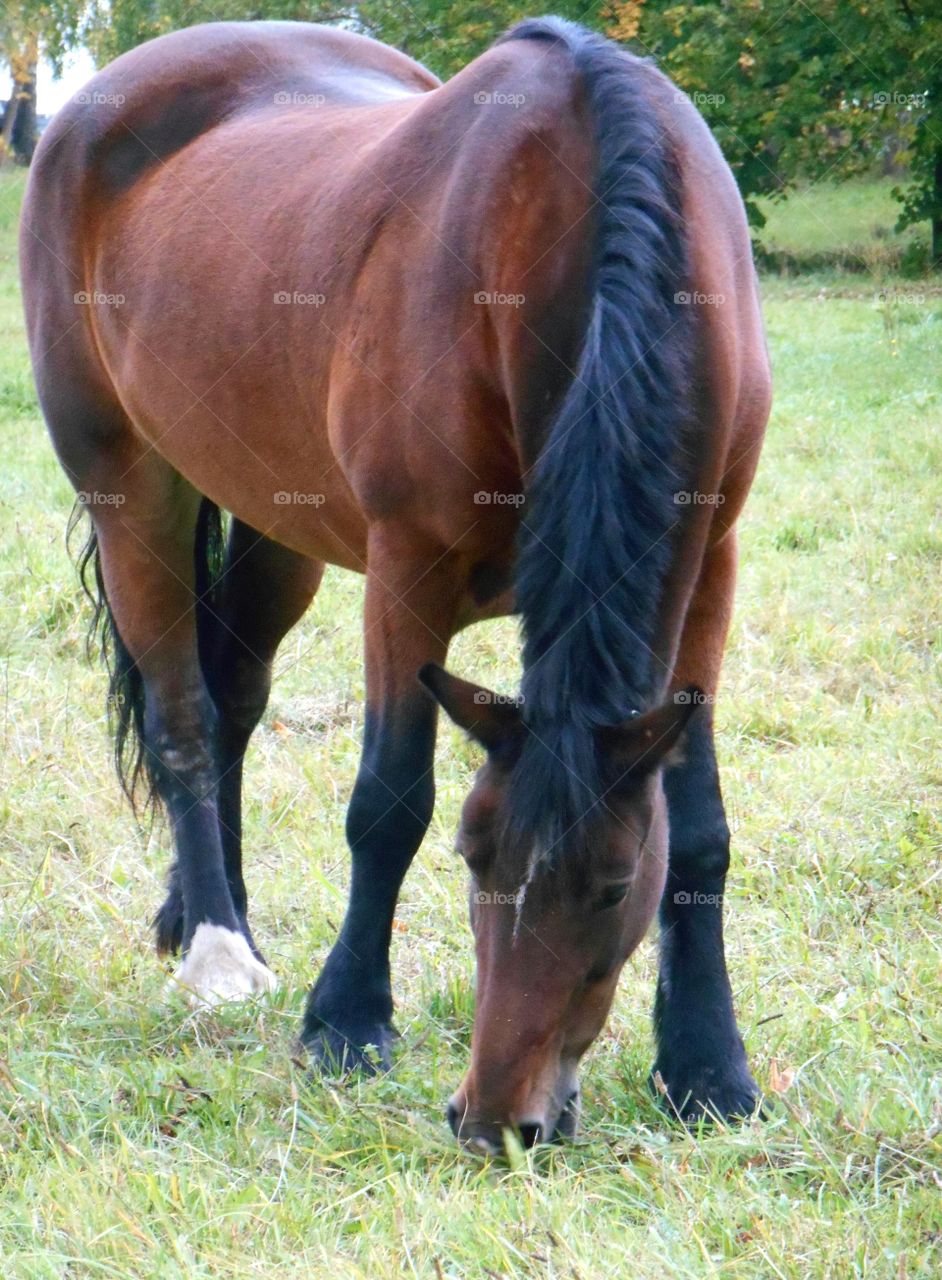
(496, 344)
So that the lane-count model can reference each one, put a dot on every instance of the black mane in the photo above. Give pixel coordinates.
(595, 543)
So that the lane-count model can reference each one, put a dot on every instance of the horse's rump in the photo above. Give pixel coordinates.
(293, 279)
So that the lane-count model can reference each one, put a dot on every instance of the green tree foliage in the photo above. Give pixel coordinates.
(818, 88)
(111, 27)
(446, 36)
(793, 89)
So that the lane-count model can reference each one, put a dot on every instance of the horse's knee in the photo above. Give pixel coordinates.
(389, 812)
(703, 853)
(699, 833)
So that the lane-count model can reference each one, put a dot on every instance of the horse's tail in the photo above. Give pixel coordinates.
(125, 702)
(595, 540)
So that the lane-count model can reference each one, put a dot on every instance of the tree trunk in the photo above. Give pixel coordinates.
(23, 138)
(9, 120)
(19, 117)
(937, 212)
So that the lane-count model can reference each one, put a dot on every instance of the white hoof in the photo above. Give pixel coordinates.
(219, 966)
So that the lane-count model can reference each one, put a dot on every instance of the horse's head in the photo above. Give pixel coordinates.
(551, 933)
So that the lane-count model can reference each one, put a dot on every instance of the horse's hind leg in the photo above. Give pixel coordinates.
(700, 1056)
(263, 590)
(146, 519)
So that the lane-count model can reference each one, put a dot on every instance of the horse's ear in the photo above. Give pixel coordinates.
(490, 719)
(642, 744)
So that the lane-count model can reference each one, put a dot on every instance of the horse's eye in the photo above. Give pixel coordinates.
(611, 896)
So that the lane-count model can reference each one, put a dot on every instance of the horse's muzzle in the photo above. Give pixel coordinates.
(487, 1137)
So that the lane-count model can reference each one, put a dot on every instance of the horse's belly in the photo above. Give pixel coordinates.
(241, 433)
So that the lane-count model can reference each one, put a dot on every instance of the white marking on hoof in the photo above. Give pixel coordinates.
(219, 966)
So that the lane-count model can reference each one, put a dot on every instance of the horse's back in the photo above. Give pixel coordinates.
(152, 101)
(149, 105)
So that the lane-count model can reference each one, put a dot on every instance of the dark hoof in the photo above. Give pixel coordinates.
(698, 1093)
(365, 1050)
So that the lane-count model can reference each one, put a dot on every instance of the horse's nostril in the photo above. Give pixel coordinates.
(568, 1123)
(452, 1113)
(529, 1134)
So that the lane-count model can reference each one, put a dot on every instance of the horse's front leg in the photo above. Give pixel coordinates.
(701, 1061)
(411, 606)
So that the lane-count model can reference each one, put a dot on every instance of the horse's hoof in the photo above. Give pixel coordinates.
(699, 1093)
(219, 966)
(367, 1052)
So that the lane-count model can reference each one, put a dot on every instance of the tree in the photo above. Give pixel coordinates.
(792, 88)
(20, 46)
(446, 36)
(808, 89)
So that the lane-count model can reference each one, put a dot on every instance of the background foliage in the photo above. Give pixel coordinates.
(792, 89)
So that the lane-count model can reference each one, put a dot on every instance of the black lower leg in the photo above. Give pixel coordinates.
(700, 1055)
(179, 729)
(231, 757)
(263, 590)
(350, 1007)
(239, 686)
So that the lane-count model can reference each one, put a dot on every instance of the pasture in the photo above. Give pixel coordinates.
(138, 1139)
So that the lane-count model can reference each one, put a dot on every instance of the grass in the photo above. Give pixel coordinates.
(137, 1140)
(846, 225)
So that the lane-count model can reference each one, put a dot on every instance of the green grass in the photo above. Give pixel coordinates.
(137, 1140)
(848, 225)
